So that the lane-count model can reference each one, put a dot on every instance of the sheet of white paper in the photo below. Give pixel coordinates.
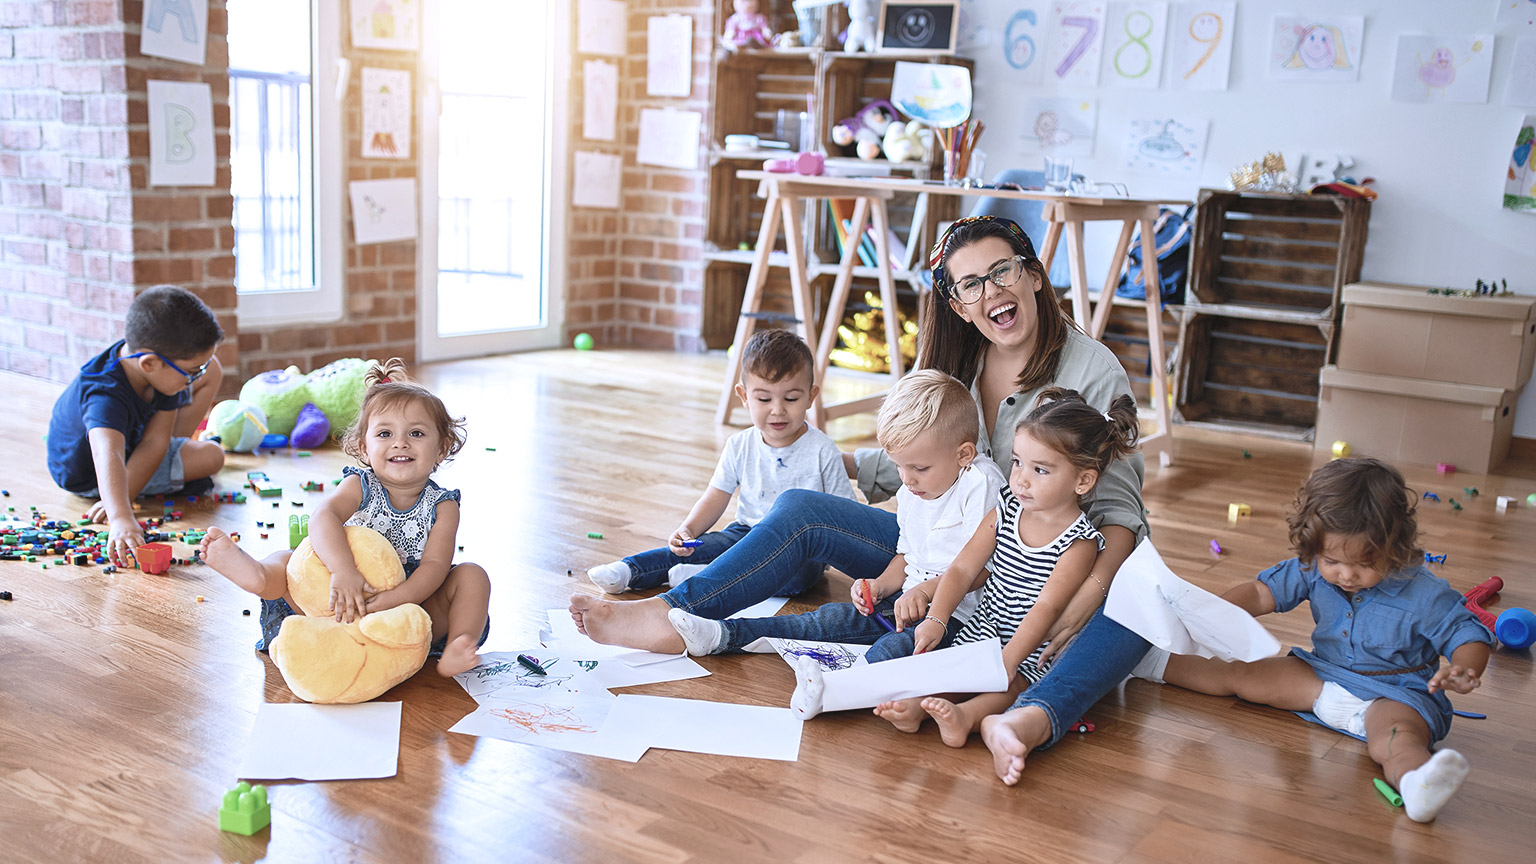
(975, 667)
(600, 27)
(762, 609)
(180, 134)
(722, 729)
(175, 30)
(1520, 86)
(598, 181)
(669, 138)
(1077, 42)
(1442, 68)
(323, 742)
(669, 55)
(388, 24)
(613, 674)
(1165, 145)
(1023, 41)
(1316, 48)
(386, 113)
(383, 210)
(552, 718)
(1149, 600)
(1134, 36)
(937, 94)
(831, 656)
(581, 647)
(600, 100)
(1059, 127)
(1201, 56)
(499, 671)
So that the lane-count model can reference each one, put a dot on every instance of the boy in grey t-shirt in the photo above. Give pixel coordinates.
(780, 452)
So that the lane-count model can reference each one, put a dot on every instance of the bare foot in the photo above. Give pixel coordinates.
(640, 624)
(458, 656)
(1011, 737)
(905, 714)
(233, 563)
(955, 722)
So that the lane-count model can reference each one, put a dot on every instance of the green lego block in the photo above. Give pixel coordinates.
(298, 529)
(245, 809)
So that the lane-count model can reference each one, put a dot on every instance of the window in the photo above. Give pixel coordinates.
(287, 222)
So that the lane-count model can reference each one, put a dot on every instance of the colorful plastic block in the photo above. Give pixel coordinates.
(298, 529)
(1236, 510)
(245, 809)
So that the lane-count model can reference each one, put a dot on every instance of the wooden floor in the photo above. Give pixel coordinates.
(125, 704)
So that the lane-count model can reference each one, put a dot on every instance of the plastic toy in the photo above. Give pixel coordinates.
(1236, 510)
(1388, 792)
(239, 427)
(1430, 496)
(1445, 468)
(273, 442)
(1470, 490)
(1082, 726)
(1340, 449)
(594, 535)
(325, 661)
(1215, 548)
(298, 529)
(1503, 504)
(583, 342)
(245, 809)
(256, 479)
(1516, 628)
(1479, 597)
(747, 26)
(153, 558)
(861, 26)
(804, 164)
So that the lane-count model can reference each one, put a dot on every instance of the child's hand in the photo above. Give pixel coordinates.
(1456, 678)
(675, 542)
(381, 601)
(98, 513)
(910, 607)
(348, 596)
(123, 536)
(857, 593)
(927, 635)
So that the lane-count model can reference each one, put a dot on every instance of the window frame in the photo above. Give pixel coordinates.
(324, 302)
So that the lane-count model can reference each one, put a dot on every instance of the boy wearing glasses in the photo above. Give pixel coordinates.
(122, 428)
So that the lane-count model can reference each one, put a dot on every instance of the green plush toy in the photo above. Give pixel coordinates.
(238, 426)
(336, 389)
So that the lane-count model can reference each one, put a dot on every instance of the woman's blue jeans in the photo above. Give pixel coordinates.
(813, 528)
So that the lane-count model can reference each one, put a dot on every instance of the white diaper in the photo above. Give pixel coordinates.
(1341, 709)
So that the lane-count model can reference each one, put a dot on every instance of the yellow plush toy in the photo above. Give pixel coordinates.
(324, 661)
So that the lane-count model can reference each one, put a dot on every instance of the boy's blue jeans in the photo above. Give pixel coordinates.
(811, 529)
(832, 622)
(649, 569)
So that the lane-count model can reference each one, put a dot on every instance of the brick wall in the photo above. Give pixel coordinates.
(80, 228)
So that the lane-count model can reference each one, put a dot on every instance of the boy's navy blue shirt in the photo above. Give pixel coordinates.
(100, 396)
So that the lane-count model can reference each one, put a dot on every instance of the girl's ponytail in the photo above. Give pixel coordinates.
(1123, 431)
(1064, 421)
(391, 371)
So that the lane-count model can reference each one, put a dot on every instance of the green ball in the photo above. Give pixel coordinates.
(583, 342)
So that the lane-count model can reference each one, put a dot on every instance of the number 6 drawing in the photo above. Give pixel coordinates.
(1090, 29)
(1019, 50)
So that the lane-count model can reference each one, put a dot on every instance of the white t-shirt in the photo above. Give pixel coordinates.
(761, 472)
(933, 532)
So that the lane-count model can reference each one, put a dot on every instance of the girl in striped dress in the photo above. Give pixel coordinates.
(1029, 556)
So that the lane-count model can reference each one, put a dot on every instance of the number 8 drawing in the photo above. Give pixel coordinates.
(1136, 39)
(1019, 50)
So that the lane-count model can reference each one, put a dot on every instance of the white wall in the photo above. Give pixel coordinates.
(1439, 167)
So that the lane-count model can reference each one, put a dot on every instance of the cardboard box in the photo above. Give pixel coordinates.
(1401, 330)
(1410, 421)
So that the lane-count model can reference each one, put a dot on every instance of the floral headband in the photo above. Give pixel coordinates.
(936, 255)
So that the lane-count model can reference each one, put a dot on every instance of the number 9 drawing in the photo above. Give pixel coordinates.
(1020, 49)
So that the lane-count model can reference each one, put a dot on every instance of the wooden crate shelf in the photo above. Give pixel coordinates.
(1250, 374)
(1290, 252)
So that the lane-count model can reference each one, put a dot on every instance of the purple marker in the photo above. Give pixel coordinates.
(884, 622)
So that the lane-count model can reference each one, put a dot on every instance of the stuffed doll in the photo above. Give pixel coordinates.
(861, 26)
(865, 129)
(747, 27)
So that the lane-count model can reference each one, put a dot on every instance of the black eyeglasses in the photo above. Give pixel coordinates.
(190, 376)
(1003, 275)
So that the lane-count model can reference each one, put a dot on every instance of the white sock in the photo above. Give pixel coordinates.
(809, 685)
(613, 578)
(1426, 788)
(680, 573)
(700, 635)
(1152, 666)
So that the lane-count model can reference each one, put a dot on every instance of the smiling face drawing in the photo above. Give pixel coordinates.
(1440, 71)
(1316, 48)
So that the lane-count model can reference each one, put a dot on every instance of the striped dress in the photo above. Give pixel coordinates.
(1018, 573)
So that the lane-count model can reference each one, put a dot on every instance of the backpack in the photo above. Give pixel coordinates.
(1173, 232)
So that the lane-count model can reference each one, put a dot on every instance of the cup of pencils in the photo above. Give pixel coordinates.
(959, 143)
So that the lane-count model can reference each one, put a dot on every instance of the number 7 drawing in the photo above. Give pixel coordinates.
(1090, 29)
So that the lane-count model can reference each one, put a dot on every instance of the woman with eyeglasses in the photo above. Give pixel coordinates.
(993, 321)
